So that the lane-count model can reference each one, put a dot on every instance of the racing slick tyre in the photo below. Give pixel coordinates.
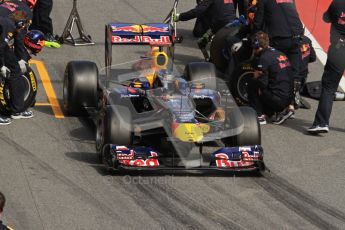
(80, 87)
(202, 71)
(114, 126)
(30, 91)
(251, 133)
(217, 46)
(238, 85)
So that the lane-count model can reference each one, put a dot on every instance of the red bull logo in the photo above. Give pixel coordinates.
(283, 61)
(162, 40)
(282, 58)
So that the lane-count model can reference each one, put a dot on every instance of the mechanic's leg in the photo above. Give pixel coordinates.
(16, 83)
(242, 7)
(330, 80)
(200, 27)
(290, 46)
(273, 104)
(44, 10)
(35, 25)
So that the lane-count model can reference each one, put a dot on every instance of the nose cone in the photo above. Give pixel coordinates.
(190, 132)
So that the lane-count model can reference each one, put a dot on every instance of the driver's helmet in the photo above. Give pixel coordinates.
(31, 3)
(34, 41)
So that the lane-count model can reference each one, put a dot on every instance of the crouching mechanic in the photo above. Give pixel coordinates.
(11, 30)
(271, 89)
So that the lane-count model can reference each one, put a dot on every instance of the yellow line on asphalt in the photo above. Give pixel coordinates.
(48, 87)
(42, 104)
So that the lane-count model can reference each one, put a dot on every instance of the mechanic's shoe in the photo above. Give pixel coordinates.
(262, 120)
(283, 116)
(5, 120)
(50, 41)
(25, 115)
(304, 104)
(316, 129)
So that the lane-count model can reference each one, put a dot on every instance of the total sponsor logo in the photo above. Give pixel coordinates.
(142, 39)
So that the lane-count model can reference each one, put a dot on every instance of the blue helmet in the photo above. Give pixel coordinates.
(34, 41)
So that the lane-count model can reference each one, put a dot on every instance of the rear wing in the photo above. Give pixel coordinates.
(159, 34)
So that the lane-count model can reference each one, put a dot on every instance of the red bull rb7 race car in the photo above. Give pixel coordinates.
(150, 116)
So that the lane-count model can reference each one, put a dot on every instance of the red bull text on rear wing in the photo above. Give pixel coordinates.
(158, 33)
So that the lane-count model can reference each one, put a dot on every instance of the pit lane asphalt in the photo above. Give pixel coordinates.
(52, 180)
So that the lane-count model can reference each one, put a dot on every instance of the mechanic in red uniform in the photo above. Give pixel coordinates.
(334, 67)
(2, 205)
(271, 89)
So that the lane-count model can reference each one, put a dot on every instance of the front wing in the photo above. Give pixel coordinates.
(246, 158)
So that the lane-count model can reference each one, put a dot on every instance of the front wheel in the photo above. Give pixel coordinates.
(246, 119)
(114, 126)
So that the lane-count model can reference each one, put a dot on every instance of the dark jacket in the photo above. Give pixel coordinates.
(278, 18)
(9, 37)
(217, 12)
(277, 77)
(308, 55)
(10, 6)
(336, 16)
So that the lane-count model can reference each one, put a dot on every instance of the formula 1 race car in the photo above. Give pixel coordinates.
(30, 91)
(150, 117)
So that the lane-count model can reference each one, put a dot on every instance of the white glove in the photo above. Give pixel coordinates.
(236, 47)
(22, 65)
(4, 70)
